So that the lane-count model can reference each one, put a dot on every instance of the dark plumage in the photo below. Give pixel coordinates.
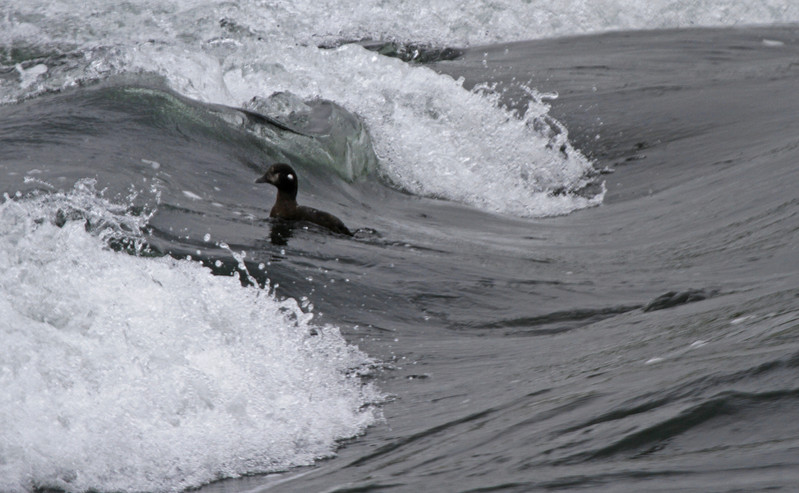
(284, 178)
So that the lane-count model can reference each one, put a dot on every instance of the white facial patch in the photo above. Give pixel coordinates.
(290, 176)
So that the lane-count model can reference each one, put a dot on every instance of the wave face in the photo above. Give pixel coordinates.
(433, 137)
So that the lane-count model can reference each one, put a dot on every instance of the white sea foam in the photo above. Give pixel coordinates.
(444, 22)
(124, 373)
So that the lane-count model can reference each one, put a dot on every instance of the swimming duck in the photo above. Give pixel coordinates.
(284, 177)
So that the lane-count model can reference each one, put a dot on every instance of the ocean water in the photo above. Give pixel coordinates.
(575, 264)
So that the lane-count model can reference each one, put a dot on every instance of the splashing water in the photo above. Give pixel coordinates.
(433, 137)
(126, 373)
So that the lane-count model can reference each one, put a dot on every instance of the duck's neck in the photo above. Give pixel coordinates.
(285, 204)
(287, 196)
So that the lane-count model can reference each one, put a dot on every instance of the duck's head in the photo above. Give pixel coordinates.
(282, 176)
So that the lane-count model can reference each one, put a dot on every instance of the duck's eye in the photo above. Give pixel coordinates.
(290, 176)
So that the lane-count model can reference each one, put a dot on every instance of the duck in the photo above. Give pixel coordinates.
(284, 178)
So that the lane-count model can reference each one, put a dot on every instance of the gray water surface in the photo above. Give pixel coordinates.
(650, 343)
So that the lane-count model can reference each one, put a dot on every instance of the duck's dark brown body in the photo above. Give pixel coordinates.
(284, 178)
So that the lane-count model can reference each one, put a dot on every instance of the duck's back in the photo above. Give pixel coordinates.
(322, 218)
